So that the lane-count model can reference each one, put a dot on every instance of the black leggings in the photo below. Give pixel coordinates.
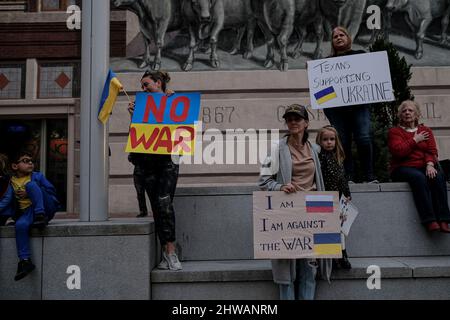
(157, 175)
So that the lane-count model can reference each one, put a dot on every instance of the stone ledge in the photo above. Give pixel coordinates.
(248, 188)
(75, 228)
(216, 271)
(429, 267)
(260, 270)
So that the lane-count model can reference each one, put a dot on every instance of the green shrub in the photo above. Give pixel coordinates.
(384, 115)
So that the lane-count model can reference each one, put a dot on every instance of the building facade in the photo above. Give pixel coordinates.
(40, 93)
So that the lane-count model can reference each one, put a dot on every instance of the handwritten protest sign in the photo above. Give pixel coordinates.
(164, 125)
(350, 80)
(298, 225)
(349, 212)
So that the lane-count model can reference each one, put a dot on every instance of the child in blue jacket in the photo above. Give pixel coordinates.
(36, 205)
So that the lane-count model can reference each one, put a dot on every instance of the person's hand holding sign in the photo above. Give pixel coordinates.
(131, 105)
(288, 188)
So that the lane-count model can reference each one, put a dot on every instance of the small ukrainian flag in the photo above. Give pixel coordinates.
(327, 243)
(109, 96)
(325, 95)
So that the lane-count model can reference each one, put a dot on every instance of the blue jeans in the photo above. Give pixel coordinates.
(304, 286)
(354, 121)
(24, 222)
(430, 195)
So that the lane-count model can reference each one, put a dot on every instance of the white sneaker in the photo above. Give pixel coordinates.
(163, 265)
(172, 261)
(10, 222)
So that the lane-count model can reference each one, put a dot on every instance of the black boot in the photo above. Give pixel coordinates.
(24, 267)
(40, 221)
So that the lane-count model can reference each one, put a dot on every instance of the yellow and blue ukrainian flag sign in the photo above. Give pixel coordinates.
(327, 243)
(109, 96)
(325, 95)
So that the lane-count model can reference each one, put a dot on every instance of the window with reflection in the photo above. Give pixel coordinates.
(46, 141)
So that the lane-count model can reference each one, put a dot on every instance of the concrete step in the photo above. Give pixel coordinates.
(215, 223)
(401, 278)
(112, 260)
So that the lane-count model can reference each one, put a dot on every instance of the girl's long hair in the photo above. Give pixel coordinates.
(339, 153)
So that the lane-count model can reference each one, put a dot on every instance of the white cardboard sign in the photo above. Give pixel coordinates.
(349, 213)
(350, 80)
(297, 225)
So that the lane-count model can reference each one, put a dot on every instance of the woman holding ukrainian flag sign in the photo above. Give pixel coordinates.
(155, 132)
(157, 175)
(351, 120)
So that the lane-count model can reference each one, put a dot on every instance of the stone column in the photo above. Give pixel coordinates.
(94, 168)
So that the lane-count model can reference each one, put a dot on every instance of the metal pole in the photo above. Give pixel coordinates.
(94, 168)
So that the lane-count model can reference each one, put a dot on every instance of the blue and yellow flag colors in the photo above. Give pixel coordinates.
(325, 95)
(109, 96)
(327, 243)
(164, 124)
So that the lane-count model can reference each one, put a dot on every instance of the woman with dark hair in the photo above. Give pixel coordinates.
(352, 120)
(415, 160)
(295, 166)
(157, 176)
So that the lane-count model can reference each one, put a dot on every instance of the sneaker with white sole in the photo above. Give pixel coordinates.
(172, 261)
(163, 265)
(10, 222)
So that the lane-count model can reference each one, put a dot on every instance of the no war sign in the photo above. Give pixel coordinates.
(297, 225)
(350, 80)
(164, 124)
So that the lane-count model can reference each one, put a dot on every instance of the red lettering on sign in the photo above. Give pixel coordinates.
(147, 143)
(164, 143)
(157, 112)
(186, 105)
(180, 140)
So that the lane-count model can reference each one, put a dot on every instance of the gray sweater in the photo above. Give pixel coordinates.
(276, 171)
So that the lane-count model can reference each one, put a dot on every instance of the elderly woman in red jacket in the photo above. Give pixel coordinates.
(415, 160)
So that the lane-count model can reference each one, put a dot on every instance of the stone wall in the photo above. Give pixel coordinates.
(253, 100)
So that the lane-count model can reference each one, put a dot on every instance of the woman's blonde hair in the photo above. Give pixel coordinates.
(338, 150)
(416, 107)
(345, 31)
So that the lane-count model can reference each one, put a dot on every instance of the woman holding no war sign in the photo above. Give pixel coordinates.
(352, 120)
(294, 166)
(157, 175)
